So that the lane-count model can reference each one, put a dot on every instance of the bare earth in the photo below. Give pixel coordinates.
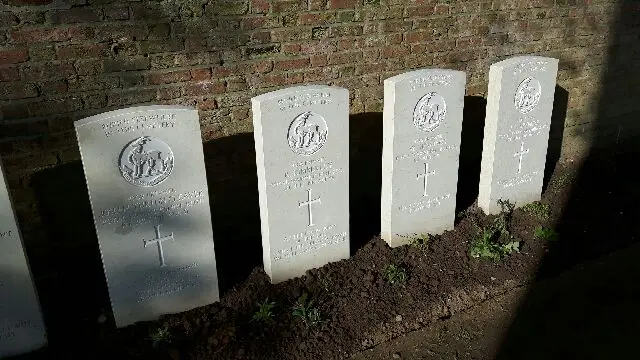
(589, 312)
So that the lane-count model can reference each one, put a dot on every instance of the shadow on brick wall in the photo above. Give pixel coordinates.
(72, 287)
(594, 315)
(556, 133)
(233, 191)
(365, 177)
(470, 151)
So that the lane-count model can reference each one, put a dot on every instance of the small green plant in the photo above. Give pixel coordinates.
(545, 233)
(421, 241)
(160, 336)
(538, 209)
(486, 246)
(305, 310)
(265, 311)
(395, 274)
(495, 241)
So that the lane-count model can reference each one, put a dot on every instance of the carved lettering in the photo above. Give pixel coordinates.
(430, 81)
(424, 204)
(300, 100)
(309, 241)
(139, 122)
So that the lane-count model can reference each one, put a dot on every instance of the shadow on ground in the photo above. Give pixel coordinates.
(595, 317)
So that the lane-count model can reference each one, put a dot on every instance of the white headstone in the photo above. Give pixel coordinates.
(21, 326)
(302, 154)
(421, 146)
(147, 184)
(516, 130)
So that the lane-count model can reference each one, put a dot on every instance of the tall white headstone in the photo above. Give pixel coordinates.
(21, 325)
(302, 155)
(421, 146)
(516, 130)
(146, 177)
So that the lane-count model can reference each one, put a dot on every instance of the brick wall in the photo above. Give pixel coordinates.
(62, 60)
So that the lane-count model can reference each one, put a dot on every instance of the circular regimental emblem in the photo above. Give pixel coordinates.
(429, 112)
(307, 133)
(527, 95)
(146, 161)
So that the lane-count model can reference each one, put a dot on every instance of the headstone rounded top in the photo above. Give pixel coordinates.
(295, 89)
(131, 110)
(423, 72)
(517, 60)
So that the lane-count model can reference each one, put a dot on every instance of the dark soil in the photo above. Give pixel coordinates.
(592, 208)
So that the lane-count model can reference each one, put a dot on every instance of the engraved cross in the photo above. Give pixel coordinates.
(308, 204)
(158, 240)
(425, 177)
(520, 154)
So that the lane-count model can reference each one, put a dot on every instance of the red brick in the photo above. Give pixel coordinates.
(29, 2)
(294, 79)
(252, 23)
(418, 36)
(290, 48)
(261, 37)
(259, 6)
(74, 15)
(317, 47)
(291, 64)
(17, 90)
(422, 10)
(268, 80)
(237, 84)
(200, 74)
(82, 51)
(13, 56)
(40, 35)
(169, 77)
(344, 4)
(14, 111)
(136, 96)
(394, 51)
(263, 66)
(206, 87)
(48, 71)
(347, 57)
(9, 74)
(318, 60)
(168, 93)
(222, 71)
(207, 104)
(280, 6)
(441, 9)
(315, 18)
(317, 4)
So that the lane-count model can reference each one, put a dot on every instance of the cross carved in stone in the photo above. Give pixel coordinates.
(158, 240)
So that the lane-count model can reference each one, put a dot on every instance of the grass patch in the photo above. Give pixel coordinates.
(264, 313)
(421, 241)
(495, 240)
(160, 336)
(305, 310)
(395, 274)
(538, 209)
(546, 234)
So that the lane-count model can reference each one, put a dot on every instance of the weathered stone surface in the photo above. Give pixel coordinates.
(302, 155)
(147, 184)
(516, 130)
(21, 325)
(421, 146)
